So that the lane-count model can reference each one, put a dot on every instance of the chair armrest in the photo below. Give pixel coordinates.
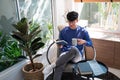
(93, 50)
(48, 52)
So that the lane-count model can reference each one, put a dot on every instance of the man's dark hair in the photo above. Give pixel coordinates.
(71, 16)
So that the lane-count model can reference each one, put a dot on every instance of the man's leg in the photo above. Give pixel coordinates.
(62, 61)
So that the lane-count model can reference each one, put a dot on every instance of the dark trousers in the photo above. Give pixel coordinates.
(63, 60)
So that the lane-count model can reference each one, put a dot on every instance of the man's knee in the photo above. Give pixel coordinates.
(73, 49)
(60, 67)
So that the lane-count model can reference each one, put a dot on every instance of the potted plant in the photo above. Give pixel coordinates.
(30, 43)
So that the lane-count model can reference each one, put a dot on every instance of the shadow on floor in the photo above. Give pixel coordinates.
(70, 76)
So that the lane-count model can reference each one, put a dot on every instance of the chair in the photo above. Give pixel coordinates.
(75, 68)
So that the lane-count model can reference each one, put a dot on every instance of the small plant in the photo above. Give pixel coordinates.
(28, 39)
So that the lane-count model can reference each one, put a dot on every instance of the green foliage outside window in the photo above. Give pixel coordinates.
(9, 51)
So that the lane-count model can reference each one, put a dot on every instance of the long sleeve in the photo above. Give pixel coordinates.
(67, 34)
(88, 39)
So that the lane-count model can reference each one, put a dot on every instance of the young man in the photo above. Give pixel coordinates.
(68, 51)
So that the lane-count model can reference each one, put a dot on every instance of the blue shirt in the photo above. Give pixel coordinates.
(67, 34)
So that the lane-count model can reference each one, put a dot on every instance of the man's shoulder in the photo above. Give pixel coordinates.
(81, 29)
(65, 28)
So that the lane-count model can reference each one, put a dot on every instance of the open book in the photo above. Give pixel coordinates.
(97, 69)
(91, 67)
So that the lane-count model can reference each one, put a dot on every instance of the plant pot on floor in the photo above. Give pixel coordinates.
(33, 75)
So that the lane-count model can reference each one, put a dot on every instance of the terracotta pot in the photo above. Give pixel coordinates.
(33, 75)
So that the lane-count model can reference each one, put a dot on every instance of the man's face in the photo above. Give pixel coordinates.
(72, 24)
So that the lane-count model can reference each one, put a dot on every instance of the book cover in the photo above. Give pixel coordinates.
(84, 68)
(61, 42)
(97, 69)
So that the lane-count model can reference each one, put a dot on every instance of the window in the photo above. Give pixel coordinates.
(39, 11)
(101, 17)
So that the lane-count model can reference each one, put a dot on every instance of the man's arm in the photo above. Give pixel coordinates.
(86, 40)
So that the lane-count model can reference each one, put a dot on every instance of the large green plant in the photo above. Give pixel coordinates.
(28, 39)
(9, 51)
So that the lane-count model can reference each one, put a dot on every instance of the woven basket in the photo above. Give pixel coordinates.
(30, 75)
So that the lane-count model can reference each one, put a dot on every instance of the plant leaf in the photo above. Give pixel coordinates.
(37, 46)
(36, 40)
(34, 30)
(31, 36)
(22, 26)
(17, 33)
(37, 55)
(19, 38)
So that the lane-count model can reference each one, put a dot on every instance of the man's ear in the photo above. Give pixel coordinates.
(76, 20)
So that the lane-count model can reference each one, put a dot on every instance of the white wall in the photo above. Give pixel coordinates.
(7, 15)
(61, 7)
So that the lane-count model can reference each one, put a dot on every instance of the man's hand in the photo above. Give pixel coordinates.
(81, 41)
(60, 46)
